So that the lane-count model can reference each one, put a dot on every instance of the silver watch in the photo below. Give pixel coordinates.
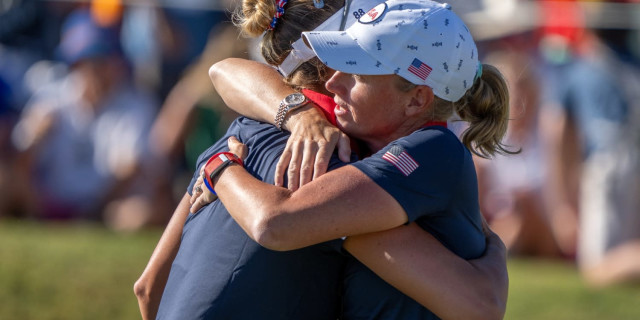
(289, 103)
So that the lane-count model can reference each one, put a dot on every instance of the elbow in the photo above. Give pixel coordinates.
(492, 306)
(141, 290)
(494, 310)
(216, 71)
(273, 233)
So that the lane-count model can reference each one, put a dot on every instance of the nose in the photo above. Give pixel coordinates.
(336, 84)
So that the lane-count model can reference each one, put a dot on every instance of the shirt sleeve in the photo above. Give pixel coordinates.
(419, 171)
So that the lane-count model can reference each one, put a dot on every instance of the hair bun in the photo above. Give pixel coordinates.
(256, 16)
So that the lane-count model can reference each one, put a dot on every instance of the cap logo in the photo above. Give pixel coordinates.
(373, 14)
(419, 68)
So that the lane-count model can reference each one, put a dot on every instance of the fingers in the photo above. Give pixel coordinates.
(197, 189)
(236, 147)
(202, 199)
(308, 163)
(344, 148)
(200, 196)
(322, 159)
(198, 204)
(293, 172)
(281, 167)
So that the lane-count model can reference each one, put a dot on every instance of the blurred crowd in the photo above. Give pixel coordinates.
(105, 105)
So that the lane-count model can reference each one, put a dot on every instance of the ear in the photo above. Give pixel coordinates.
(420, 100)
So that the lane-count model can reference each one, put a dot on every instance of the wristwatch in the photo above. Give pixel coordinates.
(288, 104)
(214, 166)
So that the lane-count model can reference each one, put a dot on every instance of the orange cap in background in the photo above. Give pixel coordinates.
(106, 13)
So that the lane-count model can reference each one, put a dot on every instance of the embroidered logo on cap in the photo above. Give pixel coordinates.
(420, 69)
(373, 14)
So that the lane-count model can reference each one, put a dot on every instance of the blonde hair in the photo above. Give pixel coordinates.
(485, 106)
(254, 18)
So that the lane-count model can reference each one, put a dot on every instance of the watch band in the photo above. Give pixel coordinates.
(289, 103)
(216, 164)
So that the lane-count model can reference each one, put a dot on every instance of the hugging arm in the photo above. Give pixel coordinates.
(150, 286)
(339, 203)
(255, 90)
(416, 263)
(407, 257)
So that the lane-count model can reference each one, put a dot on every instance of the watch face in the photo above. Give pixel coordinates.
(295, 99)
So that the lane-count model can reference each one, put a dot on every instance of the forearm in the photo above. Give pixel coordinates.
(417, 264)
(250, 88)
(342, 202)
(150, 286)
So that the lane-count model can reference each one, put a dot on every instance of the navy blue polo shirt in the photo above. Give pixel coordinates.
(431, 174)
(221, 273)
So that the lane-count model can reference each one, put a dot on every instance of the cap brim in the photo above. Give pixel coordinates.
(339, 51)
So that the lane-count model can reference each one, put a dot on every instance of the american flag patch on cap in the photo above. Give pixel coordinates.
(400, 159)
(420, 69)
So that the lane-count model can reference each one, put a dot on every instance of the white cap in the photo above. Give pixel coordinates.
(301, 53)
(420, 40)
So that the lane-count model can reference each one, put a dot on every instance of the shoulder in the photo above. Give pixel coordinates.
(434, 145)
(261, 138)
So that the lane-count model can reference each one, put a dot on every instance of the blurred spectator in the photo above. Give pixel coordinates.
(82, 137)
(591, 101)
(511, 187)
(192, 116)
(28, 33)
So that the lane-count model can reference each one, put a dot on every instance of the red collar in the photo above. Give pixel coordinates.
(434, 123)
(325, 103)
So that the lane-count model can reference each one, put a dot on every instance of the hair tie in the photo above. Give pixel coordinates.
(478, 72)
(279, 12)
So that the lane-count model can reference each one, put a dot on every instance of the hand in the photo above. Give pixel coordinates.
(493, 265)
(201, 195)
(309, 149)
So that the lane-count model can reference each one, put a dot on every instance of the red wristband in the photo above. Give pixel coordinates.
(216, 164)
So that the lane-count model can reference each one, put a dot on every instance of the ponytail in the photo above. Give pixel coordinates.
(485, 106)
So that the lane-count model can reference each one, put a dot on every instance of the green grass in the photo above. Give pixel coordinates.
(72, 272)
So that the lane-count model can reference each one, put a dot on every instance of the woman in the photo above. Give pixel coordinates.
(419, 170)
(163, 254)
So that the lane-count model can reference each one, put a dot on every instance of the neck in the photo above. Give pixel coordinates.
(408, 127)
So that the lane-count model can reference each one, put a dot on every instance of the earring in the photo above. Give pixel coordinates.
(318, 3)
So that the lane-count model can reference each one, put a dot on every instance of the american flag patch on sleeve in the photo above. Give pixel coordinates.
(401, 160)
